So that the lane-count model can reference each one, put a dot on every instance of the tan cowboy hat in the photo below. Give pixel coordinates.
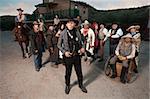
(35, 23)
(86, 22)
(127, 36)
(137, 27)
(19, 9)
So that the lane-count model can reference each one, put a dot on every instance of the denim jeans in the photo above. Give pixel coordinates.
(38, 59)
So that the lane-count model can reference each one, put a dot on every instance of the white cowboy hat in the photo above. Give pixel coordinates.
(137, 27)
(86, 22)
(127, 36)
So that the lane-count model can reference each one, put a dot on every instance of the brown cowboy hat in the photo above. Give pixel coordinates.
(35, 23)
(19, 9)
(137, 27)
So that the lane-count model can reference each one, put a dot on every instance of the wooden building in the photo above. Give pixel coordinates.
(63, 8)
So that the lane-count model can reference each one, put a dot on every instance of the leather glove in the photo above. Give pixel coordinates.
(68, 54)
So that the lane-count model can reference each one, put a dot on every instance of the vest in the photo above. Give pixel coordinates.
(73, 41)
(114, 41)
(125, 50)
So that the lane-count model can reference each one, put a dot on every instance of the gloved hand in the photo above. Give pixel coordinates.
(68, 54)
(52, 49)
(121, 57)
(35, 51)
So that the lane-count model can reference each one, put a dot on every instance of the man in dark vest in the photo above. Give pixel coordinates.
(72, 47)
(115, 34)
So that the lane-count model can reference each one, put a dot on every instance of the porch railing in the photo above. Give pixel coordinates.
(50, 15)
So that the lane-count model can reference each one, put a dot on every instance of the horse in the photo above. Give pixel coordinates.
(22, 37)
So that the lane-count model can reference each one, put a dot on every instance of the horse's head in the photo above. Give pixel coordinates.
(19, 25)
(18, 29)
(20, 32)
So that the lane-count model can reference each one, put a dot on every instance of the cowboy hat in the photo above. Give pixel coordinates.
(127, 36)
(70, 19)
(35, 23)
(137, 27)
(19, 9)
(86, 22)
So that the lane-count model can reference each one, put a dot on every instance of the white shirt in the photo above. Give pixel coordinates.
(90, 40)
(91, 36)
(56, 21)
(22, 19)
(105, 31)
(118, 34)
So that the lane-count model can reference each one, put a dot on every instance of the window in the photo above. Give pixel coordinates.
(84, 12)
(51, 0)
(76, 6)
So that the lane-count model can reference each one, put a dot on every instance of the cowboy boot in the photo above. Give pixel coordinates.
(123, 74)
(81, 86)
(114, 74)
(83, 89)
(67, 89)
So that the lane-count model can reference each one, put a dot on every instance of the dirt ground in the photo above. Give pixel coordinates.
(19, 80)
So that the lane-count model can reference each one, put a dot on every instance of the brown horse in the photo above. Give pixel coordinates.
(22, 37)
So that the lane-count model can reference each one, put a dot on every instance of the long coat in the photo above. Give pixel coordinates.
(37, 41)
(63, 44)
(52, 43)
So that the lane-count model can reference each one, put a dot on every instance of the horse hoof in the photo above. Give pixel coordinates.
(27, 55)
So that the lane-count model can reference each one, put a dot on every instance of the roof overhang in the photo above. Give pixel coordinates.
(46, 4)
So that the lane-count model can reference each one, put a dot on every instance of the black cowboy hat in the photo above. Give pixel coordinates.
(19, 9)
(71, 20)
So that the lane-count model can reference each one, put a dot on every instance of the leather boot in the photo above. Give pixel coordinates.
(114, 74)
(67, 89)
(123, 75)
(83, 89)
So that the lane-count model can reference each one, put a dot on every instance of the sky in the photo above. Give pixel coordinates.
(8, 7)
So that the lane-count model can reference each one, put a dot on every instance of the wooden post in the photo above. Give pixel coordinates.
(69, 8)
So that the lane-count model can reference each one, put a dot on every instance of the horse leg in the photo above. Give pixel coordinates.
(22, 49)
(26, 45)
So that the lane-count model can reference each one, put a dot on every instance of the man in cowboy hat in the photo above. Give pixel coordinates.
(134, 31)
(20, 17)
(37, 45)
(19, 21)
(88, 37)
(115, 34)
(124, 52)
(71, 46)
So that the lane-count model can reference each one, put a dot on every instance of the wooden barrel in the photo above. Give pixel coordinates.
(118, 68)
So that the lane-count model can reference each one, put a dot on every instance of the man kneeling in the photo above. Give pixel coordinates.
(124, 52)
